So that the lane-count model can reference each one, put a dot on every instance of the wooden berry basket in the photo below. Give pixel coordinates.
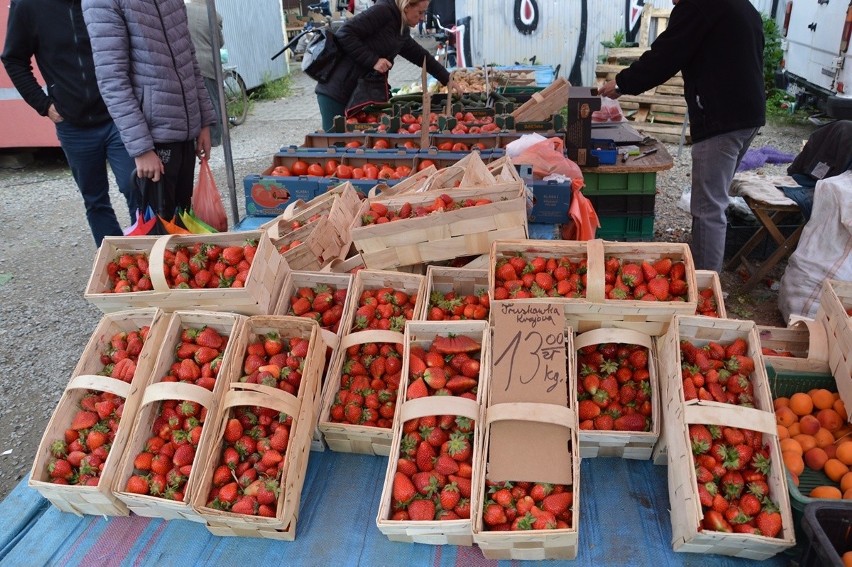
(531, 544)
(338, 206)
(345, 437)
(622, 444)
(594, 311)
(835, 299)
(98, 500)
(805, 339)
(435, 532)
(302, 407)
(317, 241)
(687, 514)
(296, 280)
(377, 279)
(463, 281)
(709, 279)
(155, 391)
(443, 235)
(257, 297)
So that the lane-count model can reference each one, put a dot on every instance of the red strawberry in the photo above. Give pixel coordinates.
(84, 420)
(421, 510)
(557, 503)
(245, 505)
(659, 288)
(716, 522)
(137, 484)
(631, 422)
(184, 455)
(768, 522)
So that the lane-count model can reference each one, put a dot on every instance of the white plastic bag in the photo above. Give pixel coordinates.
(823, 251)
(519, 146)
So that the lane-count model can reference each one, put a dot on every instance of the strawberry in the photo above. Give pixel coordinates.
(209, 337)
(246, 505)
(663, 266)
(493, 515)
(659, 288)
(715, 521)
(421, 510)
(557, 503)
(184, 455)
(417, 389)
(137, 484)
(84, 420)
(769, 521)
(632, 422)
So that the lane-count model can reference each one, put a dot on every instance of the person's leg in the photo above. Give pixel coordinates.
(122, 166)
(329, 108)
(179, 163)
(714, 162)
(86, 153)
(215, 129)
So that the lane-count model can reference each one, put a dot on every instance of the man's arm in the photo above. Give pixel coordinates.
(17, 56)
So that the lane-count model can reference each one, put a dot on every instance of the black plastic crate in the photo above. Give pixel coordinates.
(626, 204)
(828, 527)
(739, 230)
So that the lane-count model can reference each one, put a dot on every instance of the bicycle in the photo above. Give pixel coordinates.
(236, 96)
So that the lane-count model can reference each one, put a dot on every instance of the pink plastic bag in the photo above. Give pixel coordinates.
(547, 157)
(206, 201)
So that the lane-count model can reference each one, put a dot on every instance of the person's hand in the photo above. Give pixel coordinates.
(609, 90)
(53, 114)
(454, 87)
(149, 166)
(383, 65)
(203, 144)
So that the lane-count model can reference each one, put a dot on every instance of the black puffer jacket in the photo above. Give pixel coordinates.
(718, 46)
(368, 37)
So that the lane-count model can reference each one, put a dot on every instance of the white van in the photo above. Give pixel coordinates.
(817, 55)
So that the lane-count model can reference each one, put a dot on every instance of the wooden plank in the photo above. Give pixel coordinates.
(670, 90)
(655, 99)
(669, 133)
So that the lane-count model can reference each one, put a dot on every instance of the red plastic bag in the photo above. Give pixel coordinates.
(584, 220)
(547, 157)
(206, 201)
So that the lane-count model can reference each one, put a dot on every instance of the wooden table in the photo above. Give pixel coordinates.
(659, 161)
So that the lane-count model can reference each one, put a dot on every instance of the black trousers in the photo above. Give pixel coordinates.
(179, 179)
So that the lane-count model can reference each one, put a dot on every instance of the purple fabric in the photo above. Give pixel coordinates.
(755, 158)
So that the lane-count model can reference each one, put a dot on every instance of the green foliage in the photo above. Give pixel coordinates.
(772, 52)
(782, 107)
(273, 89)
(618, 40)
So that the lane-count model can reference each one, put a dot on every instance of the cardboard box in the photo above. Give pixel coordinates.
(269, 196)
(551, 200)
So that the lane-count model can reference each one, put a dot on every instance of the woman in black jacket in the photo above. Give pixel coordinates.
(370, 41)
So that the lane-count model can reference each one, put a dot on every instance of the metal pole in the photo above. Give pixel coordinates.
(213, 22)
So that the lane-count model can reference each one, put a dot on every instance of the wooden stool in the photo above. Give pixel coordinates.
(768, 216)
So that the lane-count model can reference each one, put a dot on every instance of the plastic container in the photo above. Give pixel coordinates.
(626, 228)
(618, 183)
(828, 528)
(624, 204)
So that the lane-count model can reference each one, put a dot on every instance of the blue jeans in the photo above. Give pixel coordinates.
(714, 162)
(88, 150)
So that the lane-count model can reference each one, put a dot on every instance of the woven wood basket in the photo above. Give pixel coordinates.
(302, 407)
(709, 279)
(835, 299)
(155, 391)
(687, 514)
(463, 281)
(257, 297)
(806, 339)
(98, 500)
(623, 444)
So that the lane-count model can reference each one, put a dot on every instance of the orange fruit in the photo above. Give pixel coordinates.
(835, 469)
(830, 492)
(824, 438)
(830, 419)
(794, 429)
(809, 425)
(845, 431)
(848, 496)
(784, 434)
(822, 399)
(830, 450)
(806, 441)
(844, 452)
(815, 458)
(791, 446)
(794, 463)
(846, 482)
(785, 416)
(839, 407)
(780, 403)
(847, 559)
(801, 404)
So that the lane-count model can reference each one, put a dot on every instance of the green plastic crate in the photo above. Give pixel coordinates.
(627, 228)
(615, 183)
(785, 384)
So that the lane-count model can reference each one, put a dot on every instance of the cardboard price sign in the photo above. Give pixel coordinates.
(529, 365)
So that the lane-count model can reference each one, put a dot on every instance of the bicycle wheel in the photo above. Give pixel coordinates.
(236, 98)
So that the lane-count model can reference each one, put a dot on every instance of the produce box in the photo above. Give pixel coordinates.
(625, 440)
(364, 326)
(551, 200)
(614, 184)
(833, 313)
(331, 328)
(827, 527)
(202, 396)
(713, 305)
(422, 407)
(338, 206)
(531, 438)
(91, 375)
(626, 228)
(257, 296)
(383, 141)
(250, 389)
(544, 103)
(801, 347)
(269, 195)
(585, 302)
(466, 142)
(444, 234)
(679, 415)
(342, 140)
(462, 283)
